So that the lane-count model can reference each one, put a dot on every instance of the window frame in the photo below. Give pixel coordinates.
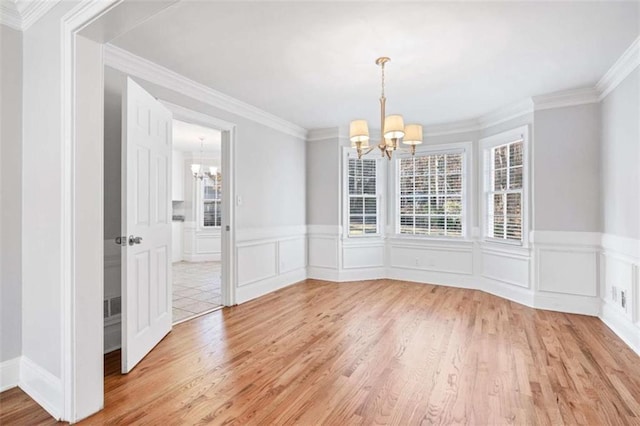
(349, 153)
(487, 145)
(201, 202)
(464, 148)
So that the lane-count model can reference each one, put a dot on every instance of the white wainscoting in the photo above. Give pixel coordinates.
(334, 257)
(567, 266)
(505, 264)
(620, 271)
(442, 262)
(269, 259)
(9, 373)
(324, 252)
(42, 386)
(201, 245)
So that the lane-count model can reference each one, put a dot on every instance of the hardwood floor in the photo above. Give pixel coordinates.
(376, 352)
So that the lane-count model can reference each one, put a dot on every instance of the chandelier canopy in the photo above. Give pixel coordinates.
(392, 129)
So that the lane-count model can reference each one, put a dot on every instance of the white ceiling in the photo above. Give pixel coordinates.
(186, 137)
(312, 63)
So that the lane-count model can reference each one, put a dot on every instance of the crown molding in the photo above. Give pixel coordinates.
(9, 15)
(625, 64)
(315, 135)
(566, 98)
(22, 14)
(451, 128)
(137, 66)
(507, 113)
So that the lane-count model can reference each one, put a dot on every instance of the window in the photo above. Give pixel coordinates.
(504, 195)
(362, 197)
(212, 201)
(430, 195)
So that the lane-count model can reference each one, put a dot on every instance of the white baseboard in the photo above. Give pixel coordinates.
(9, 373)
(432, 277)
(361, 274)
(621, 326)
(260, 288)
(515, 293)
(112, 336)
(42, 386)
(325, 274)
(203, 257)
(569, 303)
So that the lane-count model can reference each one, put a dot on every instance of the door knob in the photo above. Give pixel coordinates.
(134, 240)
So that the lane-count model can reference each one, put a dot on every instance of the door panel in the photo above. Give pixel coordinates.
(146, 210)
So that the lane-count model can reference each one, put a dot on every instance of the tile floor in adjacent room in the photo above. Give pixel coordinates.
(196, 288)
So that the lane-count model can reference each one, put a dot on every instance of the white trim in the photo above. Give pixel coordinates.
(452, 128)
(255, 289)
(566, 98)
(486, 144)
(202, 257)
(10, 16)
(137, 66)
(569, 303)
(566, 238)
(621, 326)
(506, 113)
(24, 13)
(381, 180)
(622, 246)
(315, 135)
(45, 388)
(9, 373)
(112, 335)
(272, 233)
(228, 164)
(623, 66)
(468, 197)
(79, 17)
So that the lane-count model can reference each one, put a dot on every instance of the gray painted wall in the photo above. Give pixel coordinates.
(112, 152)
(621, 159)
(270, 165)
(43, 196)
(11, 198)
(323, 182)
(566, 162)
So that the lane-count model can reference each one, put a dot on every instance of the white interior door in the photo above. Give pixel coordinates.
(146, 221)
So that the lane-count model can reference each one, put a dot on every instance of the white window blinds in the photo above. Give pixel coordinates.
(363, 197)
(504, 191)
(430, 196)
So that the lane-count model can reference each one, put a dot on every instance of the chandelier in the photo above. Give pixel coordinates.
(392, 129)
(197, 169)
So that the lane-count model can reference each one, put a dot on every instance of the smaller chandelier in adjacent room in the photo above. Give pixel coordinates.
(198, 169)
(392, 129)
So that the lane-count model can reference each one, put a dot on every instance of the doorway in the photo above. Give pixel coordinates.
(197, 180)
(201, 213)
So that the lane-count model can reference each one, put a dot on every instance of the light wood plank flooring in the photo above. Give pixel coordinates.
(375, 352)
